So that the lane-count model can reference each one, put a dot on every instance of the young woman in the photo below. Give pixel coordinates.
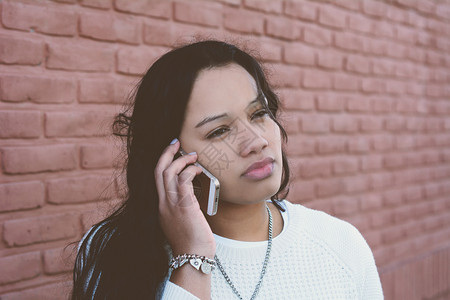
(213, 100)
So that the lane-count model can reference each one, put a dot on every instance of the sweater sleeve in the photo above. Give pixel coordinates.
(371, 288)
(172, 291)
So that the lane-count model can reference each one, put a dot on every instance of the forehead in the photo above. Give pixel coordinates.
(218, 89)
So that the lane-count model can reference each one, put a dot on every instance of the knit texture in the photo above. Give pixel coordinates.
(316, 256)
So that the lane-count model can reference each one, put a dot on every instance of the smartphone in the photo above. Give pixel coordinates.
(206, 188)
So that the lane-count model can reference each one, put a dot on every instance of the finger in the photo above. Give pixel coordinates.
(185, 188)
(163, 163)
(170, 175)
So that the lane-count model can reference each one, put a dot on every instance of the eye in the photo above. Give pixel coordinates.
(260, 113)
(217, 133)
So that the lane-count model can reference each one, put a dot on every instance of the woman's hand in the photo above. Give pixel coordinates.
(182, 221)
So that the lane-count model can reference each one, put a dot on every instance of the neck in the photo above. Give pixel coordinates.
(241, 222)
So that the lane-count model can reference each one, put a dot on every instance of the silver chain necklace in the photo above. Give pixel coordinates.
(263, 271)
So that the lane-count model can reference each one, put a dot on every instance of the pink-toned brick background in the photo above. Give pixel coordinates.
(366, 90)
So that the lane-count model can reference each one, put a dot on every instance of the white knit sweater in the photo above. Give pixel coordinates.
(316, 256)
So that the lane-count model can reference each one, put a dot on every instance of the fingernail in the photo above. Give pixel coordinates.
(193, 153)
(174, 141)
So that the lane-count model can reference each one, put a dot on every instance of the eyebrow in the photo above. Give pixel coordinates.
(215, 117)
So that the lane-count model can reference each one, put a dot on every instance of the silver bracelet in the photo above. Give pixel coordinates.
(203, 263)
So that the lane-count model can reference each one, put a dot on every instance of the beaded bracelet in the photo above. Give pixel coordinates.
(203, 263)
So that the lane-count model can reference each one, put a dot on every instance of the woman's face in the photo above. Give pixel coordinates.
(230, 131)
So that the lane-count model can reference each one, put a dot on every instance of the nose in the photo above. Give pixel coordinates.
(253, 141)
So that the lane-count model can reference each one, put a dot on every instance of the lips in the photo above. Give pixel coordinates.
(259, 164)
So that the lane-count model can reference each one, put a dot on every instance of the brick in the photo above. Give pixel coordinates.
(356, 184)
(299, 54)
(383, 218)
(207, 14)
(96, 3)
(351, 5)
(330, 59)
(360, 23)
(20, 124)
(426, 6)
(20, 267)
(159, 33)
(21, 51)
(80, 57)
(266, 6)
(330, 145)
(405, 34)
(21, 195)
(294, 99)
(374, 8)
(77, 123)
(270, 52)
(344, 124)
(394, 124)
(393, 161)
(345, 165)
(89, 218)
(304, 190)
(344, 205)
(348, 41)
(374, 46)
(395, 50)
(122, 90)
(402, 213)
(371, 124)
(397, 14)
(301, 10)
(392, 198)
(21, 232)
(315, 124)
(358, 145)
(381, 180)
(326, 102)
(328, 187)
(80, 189)
(372, 85)
(283, 28)
(42, 19)
(37, 89)
(382, 67)
(32, 159)
(286, 76)
(313, 79)
(371, 162)
(343, 82)
(384, 29)
(404, 142)
(103, 26)
(136, 61)
(160, 9)
(358, 64)
(392, 234)
(332, 17)
(54, 291)
(290, 124)
(56, 261)
(244, 21)
(314, 168)
(396, 88)
(317, 36)
(96, 90)
(358, 104)
(299, 146)
(371, 202)
(380, 105)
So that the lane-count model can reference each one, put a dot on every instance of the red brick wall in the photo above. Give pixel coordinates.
(366, 90)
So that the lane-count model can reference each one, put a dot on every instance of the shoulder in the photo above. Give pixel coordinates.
(339, 236)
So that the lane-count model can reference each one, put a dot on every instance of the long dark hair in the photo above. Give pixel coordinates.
(123, 256)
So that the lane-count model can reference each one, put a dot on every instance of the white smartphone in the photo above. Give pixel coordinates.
(206, 188)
